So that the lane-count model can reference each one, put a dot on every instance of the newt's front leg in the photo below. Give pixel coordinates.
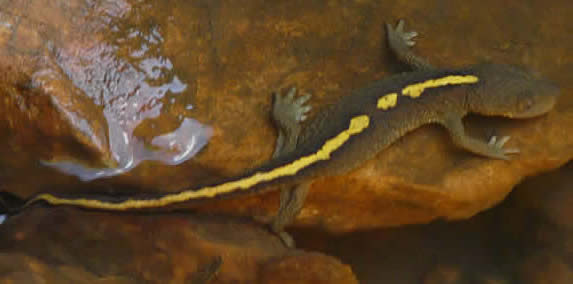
(288, 112)
(401, 44)
(493, 149)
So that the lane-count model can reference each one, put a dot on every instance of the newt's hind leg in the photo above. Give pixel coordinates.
(291, 202)
(401, 44)
(288, 112)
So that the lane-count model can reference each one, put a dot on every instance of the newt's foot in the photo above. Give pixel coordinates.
(496, 145)
(289, 111)
(398, 38)
(285, 237)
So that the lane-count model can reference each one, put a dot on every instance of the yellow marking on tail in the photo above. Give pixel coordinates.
(415, 90)
(357, 125)
(387, 101)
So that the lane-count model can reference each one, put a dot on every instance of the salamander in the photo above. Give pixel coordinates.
(353, 130)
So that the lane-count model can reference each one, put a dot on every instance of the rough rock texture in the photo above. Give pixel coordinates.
(422, 177)
(217, 62)
(233, 57)
(539, 221)
(87, 88)
(527, 239)
(64, 245)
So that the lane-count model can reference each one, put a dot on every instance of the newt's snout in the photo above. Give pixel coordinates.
(537, 101)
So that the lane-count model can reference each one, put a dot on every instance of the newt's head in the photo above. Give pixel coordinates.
(512, 92)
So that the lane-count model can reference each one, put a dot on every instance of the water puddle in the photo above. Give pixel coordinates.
(131, 81)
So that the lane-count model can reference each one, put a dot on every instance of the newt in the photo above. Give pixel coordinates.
(353, 130)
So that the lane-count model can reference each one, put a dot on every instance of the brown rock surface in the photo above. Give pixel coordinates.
(64, 245)
(231, 56)
(87, 87)
(539, 221)
(422, 177)
(526, 239)
(232, 65)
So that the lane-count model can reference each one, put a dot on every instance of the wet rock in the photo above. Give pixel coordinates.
(77, 79)
(231, 58)
(63, 245)
(78, 76)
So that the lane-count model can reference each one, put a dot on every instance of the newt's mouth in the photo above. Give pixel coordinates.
(539, 108)
(542, 101)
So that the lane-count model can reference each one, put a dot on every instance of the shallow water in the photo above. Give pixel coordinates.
(130, 80)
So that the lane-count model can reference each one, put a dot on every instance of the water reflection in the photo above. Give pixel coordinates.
(174, 148)
(129, 79)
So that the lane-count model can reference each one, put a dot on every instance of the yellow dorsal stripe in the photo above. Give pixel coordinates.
(357, 125)
(415, 90)
(387, 101)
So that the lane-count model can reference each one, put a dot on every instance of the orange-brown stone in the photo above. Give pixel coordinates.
(231, 56)
(63, 245)
(231, 66)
